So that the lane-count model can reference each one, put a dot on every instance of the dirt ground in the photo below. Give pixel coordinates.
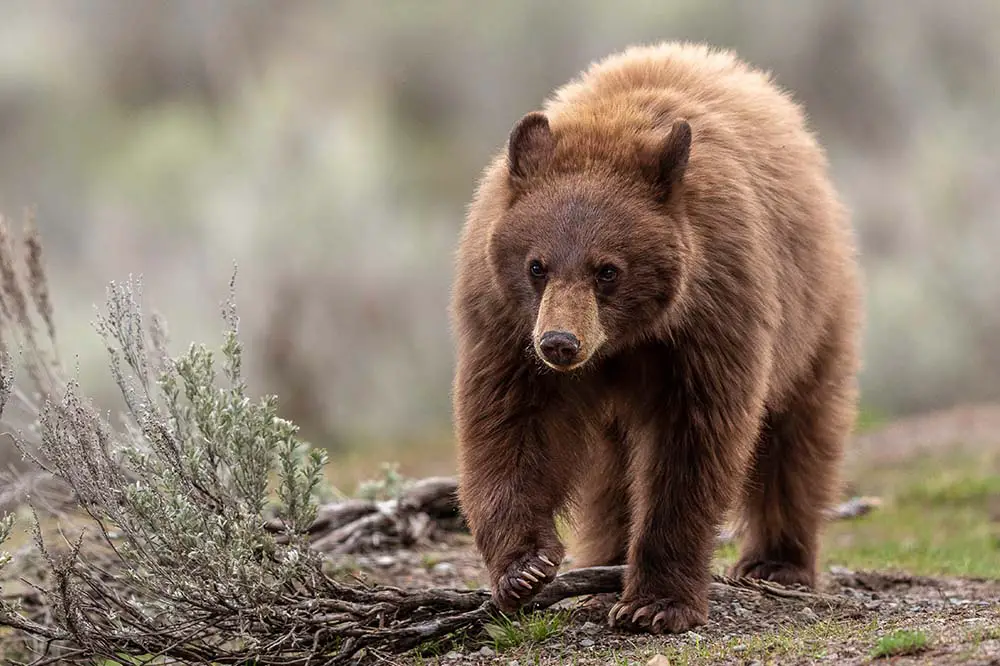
(960, 618)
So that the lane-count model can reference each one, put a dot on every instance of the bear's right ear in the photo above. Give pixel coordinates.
(667, 160)
(529, 147)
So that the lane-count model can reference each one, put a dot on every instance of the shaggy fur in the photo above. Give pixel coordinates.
(657, 313)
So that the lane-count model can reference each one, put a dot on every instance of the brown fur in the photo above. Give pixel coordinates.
(690, 242)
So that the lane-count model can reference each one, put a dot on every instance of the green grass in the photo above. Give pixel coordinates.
(507, 633)
(936, 521)
(900, 642)
(953, 488)
(812, 641)
(980, 634)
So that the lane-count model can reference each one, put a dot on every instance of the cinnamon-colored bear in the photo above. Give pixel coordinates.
(657, 316)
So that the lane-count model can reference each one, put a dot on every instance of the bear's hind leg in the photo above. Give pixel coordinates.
(795, 477)
(602, 517)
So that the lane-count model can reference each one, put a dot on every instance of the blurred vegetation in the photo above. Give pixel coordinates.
(330, 148)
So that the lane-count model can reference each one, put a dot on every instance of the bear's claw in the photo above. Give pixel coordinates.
(656, 616)
(524, 578)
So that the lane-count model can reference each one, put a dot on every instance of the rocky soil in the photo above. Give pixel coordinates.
(960, 617)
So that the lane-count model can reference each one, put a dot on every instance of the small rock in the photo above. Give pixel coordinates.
(696, 637)
(808, 613)
(586, 642)
(453, 655)
(840, 571)
(658, 660)
(591, 628)
(486, 651)
(385, 561)
(513, 662)
(756, 662)
(444, 569)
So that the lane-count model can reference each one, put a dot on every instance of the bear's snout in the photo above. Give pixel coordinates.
(568, 329)
(559, 347)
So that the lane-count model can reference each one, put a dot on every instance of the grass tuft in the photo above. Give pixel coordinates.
(898, 643)
(508, 633)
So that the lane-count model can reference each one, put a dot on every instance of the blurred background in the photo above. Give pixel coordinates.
(330, 149)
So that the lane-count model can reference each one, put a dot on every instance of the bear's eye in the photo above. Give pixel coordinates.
(607, 274)
(536, 269)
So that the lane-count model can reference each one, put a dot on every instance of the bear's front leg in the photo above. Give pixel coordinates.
(690, 449)
(516, 462)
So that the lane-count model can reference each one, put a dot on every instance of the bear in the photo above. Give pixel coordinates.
(656, 313)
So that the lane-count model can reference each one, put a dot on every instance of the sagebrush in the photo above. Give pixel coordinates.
(180, 492)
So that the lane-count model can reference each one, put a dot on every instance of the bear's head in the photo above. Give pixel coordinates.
(592, 244)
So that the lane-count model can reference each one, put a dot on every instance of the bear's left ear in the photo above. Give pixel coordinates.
(529, 147)
(666, 160)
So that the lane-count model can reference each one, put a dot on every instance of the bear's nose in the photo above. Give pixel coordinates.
(559, 347)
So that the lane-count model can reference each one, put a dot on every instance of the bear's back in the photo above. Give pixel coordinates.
(727, 102)
(691, 69)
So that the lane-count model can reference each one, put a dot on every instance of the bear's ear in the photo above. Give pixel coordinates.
(667, 159)
(529, 147)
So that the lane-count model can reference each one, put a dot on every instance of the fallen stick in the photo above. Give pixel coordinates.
(473, 608)
(430, 506)
(853, 508)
